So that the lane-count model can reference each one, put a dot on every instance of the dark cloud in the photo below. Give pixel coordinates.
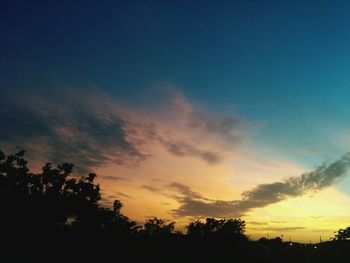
(210, 137)
(198, 208)
(186, 191)
(123, 195)
(193, 204)
(84, 126)
(227, 128)
(77, 126)
(152, 188)
(183, 148)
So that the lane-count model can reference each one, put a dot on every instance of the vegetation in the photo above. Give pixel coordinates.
(54, 217)
(342, 234)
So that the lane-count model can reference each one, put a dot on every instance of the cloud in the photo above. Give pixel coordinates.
(210, 137)
(186, 191)
(182, 148)
(195, 205)
(79, 126)
(226, 128)
(123, 195)
(152, 188)
(90, 129)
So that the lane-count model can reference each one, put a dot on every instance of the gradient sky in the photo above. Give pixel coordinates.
(183, 106)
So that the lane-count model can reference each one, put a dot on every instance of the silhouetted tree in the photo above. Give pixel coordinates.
(228, 228)
(53, 198)
(52, 216)
(342, 234)
(157, 227)
(117, 223)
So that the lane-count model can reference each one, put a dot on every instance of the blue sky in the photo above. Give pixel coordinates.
(281, 65)
(284, 63)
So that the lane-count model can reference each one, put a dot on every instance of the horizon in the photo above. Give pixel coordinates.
(186, 110)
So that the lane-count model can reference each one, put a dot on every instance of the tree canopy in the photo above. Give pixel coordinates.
(43, 212)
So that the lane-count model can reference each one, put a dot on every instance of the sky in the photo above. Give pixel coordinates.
(188, 109)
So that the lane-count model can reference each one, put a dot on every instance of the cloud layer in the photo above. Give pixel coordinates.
(195, 205)
(63, 125)
(88, 128)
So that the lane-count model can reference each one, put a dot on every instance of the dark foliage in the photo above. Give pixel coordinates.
(342, 234)
(157, 227)
(52, 216)
(213, 228)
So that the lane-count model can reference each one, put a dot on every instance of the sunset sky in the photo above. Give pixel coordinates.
(188, 109)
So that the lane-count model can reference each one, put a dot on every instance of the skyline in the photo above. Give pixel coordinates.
(181, 108)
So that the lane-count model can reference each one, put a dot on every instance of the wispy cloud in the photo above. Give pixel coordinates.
(193, 204)
(152, 188)
(120, 194)
(186, 191)
(79, 126)
(183, 148)
(90, 129)
(210, 137)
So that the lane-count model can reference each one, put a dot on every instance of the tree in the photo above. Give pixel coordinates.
(53, 198)
(342, 234)
(157, 227)
(48, 198)
(115, 222)
(228, 228)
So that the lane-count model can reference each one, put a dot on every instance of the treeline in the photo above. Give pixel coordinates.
(54, 217)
